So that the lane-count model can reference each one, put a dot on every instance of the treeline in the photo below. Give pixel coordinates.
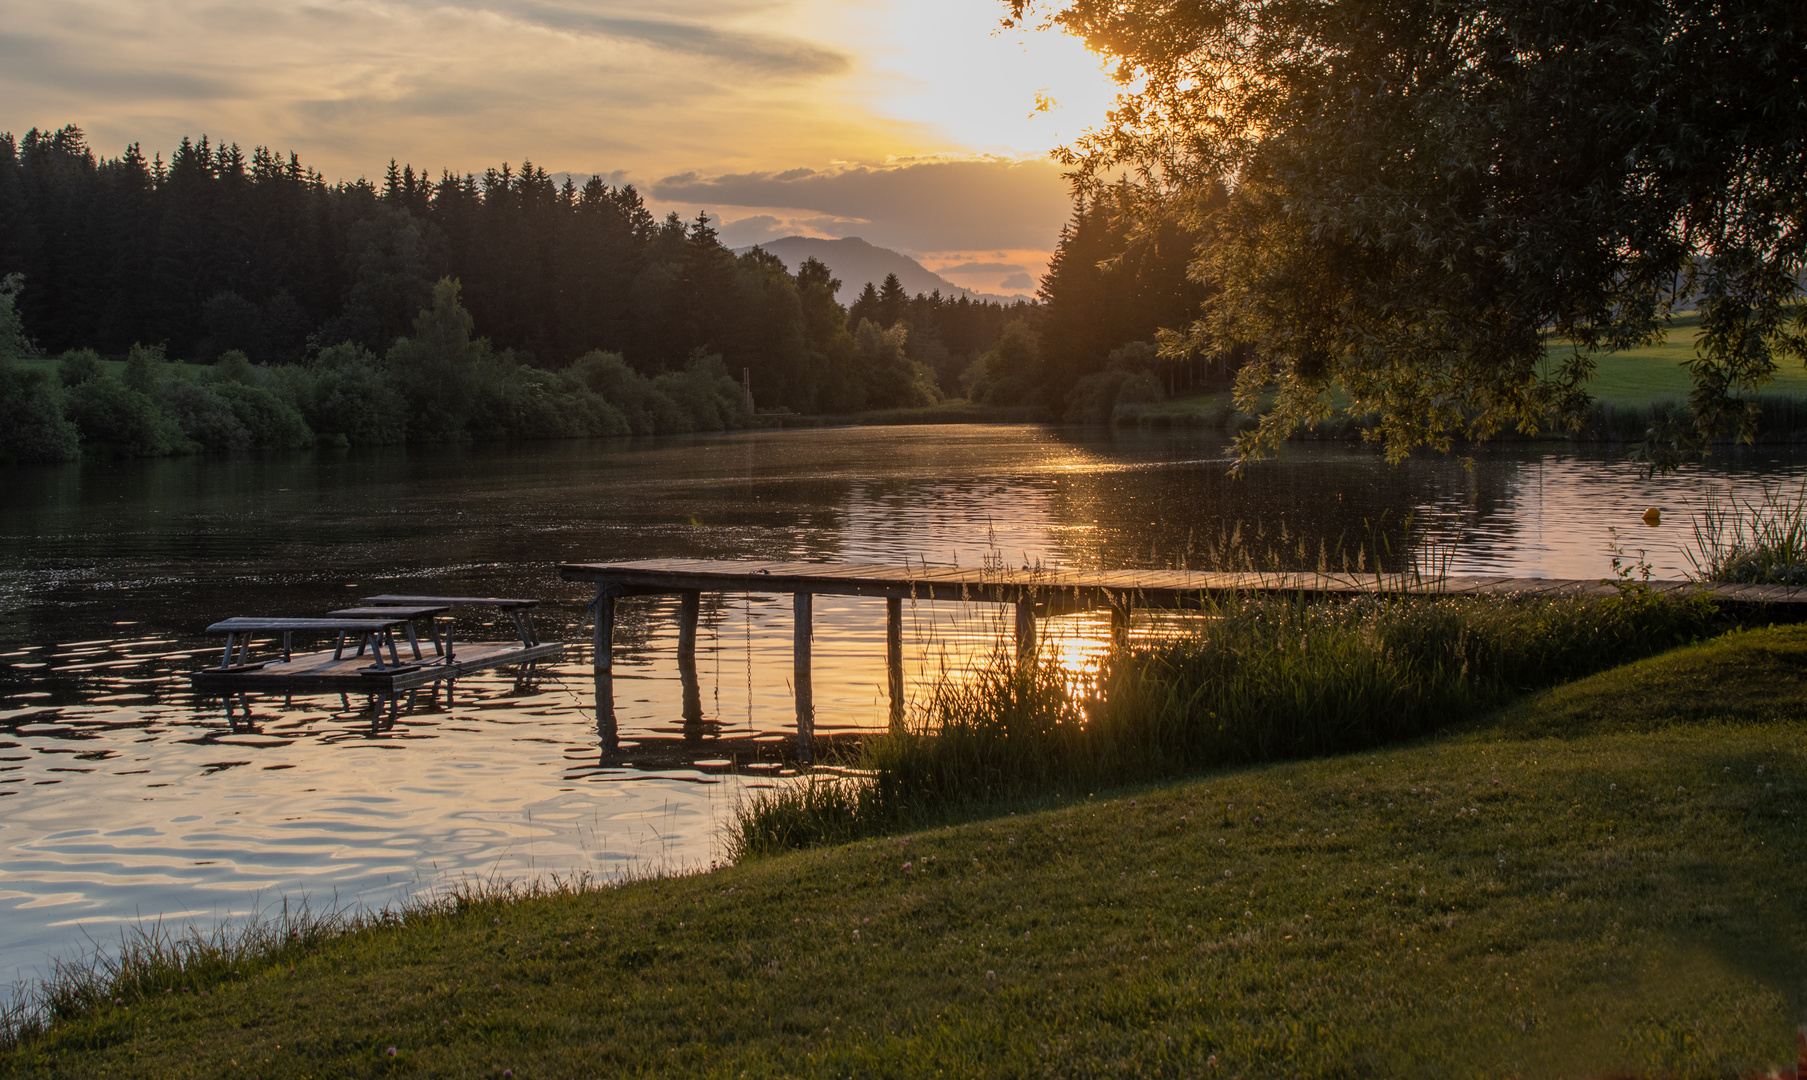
(437, 383)
(216, 251)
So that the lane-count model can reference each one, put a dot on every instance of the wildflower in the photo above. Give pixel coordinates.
(906, 866)
(390, 1051)
(119, 1001)
(991, 974)
(1211, 1062)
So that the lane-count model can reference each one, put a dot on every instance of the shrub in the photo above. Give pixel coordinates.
(77, 366)
(204, 416)
(127, 421)
(32, 425)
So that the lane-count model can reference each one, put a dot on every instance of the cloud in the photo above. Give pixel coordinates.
(1017, 281)
(766, 53)
(981, 268)
(49, 64)
(919, 206)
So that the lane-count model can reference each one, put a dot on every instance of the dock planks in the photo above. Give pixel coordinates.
(1075, 590)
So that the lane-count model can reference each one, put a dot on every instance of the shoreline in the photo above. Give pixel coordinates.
(1535, 865)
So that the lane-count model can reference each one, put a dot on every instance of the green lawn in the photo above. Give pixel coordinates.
(1653, 373)
(1607, 877)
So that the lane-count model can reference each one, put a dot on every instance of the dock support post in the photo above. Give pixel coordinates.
(802, 604)
(604, 638)
(1025, 628)
(688, 610)
(894, 657)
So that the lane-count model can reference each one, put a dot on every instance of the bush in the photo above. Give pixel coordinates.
(32, 425)
(127, 421)
(274, 424)
(77, 366)
(205, 417)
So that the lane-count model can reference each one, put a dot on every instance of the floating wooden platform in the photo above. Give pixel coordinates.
(319, 672)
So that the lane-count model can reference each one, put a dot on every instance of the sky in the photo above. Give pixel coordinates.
(922, 126)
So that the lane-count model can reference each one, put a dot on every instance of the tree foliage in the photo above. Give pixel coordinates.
(1420, 194)
(216, 251)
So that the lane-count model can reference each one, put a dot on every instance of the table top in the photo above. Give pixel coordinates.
(390, 599)
(387, 612)
(252, 622)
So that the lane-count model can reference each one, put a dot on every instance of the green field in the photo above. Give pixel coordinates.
(1655, 373)
(1607, 878)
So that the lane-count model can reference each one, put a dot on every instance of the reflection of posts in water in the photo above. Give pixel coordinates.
(894, 658)
(688, 610)
(806, 706)
(1025, 628)
(605, 711)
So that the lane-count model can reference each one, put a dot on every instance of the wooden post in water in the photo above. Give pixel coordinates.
(603, 664)
(688, 611)
(894, 657)
(604, 637)
(806, 705)
(690, 606)
(1025, 628)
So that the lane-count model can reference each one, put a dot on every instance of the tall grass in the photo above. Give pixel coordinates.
(1752, 543)
(1263, 679)
(156, 959)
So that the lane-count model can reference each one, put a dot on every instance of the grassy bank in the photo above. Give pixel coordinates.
(1263, 678)
(1608, 876)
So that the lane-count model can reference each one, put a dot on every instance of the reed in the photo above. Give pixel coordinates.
(1263, 679)
(1761, 542)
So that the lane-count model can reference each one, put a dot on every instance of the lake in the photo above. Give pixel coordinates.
(123, 797)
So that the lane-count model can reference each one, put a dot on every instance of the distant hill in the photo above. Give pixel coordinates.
(856, 262)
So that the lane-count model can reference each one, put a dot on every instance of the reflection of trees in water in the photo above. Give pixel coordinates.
(1153, 507)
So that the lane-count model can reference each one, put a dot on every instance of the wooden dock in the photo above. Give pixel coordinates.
(1035, 593)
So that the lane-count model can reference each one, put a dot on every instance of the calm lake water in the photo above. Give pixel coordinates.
(124, 797)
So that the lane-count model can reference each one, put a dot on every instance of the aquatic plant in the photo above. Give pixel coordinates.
(1752, 543)
(1261, 679)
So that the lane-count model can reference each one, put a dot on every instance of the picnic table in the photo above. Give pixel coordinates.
(408, 613)
(519, 611)
(373, 633)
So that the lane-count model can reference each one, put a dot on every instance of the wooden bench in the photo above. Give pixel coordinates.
(426, 611)
(518, 611)
(373, 633)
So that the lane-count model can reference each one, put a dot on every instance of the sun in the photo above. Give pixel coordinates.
(951, 67)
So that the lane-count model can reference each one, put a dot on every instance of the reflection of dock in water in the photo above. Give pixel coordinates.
(1035, 593)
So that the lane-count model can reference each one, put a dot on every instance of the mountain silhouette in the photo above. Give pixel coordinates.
(856, 262)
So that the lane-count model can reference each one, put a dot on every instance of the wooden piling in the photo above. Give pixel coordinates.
(802, 604)
(1025, 628)
(689, 609)
(604, 640)
(894, 657)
